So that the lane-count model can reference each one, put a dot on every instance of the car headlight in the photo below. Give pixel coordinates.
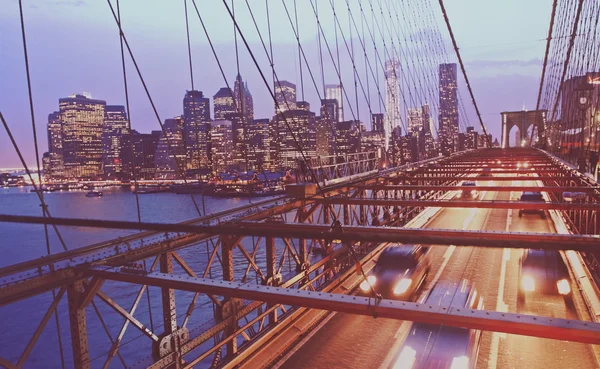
(367, 283)
(518, 165)
(460, 362)
(402, 286)
(526, 165)
(563, 287)
(406, 359)
(528, 283)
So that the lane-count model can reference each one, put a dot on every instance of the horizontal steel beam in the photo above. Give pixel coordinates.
(589, 190)
(487, 178)
(483, 204)
(348, 233)
(528, 325)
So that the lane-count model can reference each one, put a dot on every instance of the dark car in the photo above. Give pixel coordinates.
(544, 272)
(434, 346)
(532, 197)
(399, 272)
(467, 192)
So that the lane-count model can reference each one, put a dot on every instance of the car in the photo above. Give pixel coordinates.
(469, 193)
(486, 172)
(434, 346)
(399, 273)
(544, 272)
(532, 197)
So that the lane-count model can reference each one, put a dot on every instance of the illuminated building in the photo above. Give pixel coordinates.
(82, 120)
(223, 103)
(373, 142)
(377, 123)
(221, 139)
(325, 137)
(143, 147)
(196, 115)
(392, 97)
(348, 137)
(243, 99)
(334, 92)
(285, 96)
(115, 128)
(293, 127)
(170, 154)
(448, 122)
(471, 139)
(415, 120)
(56, 167)
(258, 143)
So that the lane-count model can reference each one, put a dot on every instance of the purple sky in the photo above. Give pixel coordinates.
(74, 47)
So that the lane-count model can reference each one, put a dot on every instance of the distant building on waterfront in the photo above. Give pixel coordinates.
(294, 127)
(448, 121)
(243, 98)
(335, 92)
(221, 138)
(223, 103)
(196, 115)
(115, 129)
(258, 144)
(82, 125)
(55, 166)
(377, 121)
(143, 147)
(285, 96)
(392, 97)
(348, 137)
(170, 157)
(415, 120)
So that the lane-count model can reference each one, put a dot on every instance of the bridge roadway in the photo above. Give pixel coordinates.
(349, 341)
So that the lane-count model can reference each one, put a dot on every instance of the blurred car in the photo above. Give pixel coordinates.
(544, 272)
(532, 197)
(443, 347)
(467, 192)
(486, 172)
(399, 272)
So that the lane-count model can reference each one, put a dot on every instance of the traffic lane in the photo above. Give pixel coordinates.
(350, 341)
(528, 352)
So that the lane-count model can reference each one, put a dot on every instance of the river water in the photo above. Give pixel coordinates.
(21, 242)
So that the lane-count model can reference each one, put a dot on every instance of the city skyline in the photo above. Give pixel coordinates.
(47, 88)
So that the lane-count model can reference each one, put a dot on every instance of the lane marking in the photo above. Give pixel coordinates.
(400, 337)
(501, 306)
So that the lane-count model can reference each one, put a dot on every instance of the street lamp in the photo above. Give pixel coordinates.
(583, 92)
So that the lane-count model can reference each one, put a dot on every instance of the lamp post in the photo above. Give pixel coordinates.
(583, 92)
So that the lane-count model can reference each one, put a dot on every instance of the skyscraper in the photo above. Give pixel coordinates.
(300, 121)
(82, 120)
(56, 167)
(243, 99)
(258, 144)
(221, 138)
(285, 96)
(377, 122)
(223, 103)
(415, 120)
(170, 154)
(196, 115)
(116, 127)
(448, 129)
(335, 92)
(348, 139)
(392, 98)
(144, 147)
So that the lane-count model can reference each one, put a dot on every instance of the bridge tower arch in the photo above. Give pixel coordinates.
(523, 120)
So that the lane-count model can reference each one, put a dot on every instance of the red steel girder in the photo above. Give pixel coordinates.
(487, 204)
(529, 325)
(438, 177)
(349, 234)
(557, 189)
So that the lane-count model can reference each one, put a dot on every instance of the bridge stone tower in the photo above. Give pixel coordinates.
(523, 120)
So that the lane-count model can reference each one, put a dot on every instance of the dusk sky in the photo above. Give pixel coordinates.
(74, 47)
